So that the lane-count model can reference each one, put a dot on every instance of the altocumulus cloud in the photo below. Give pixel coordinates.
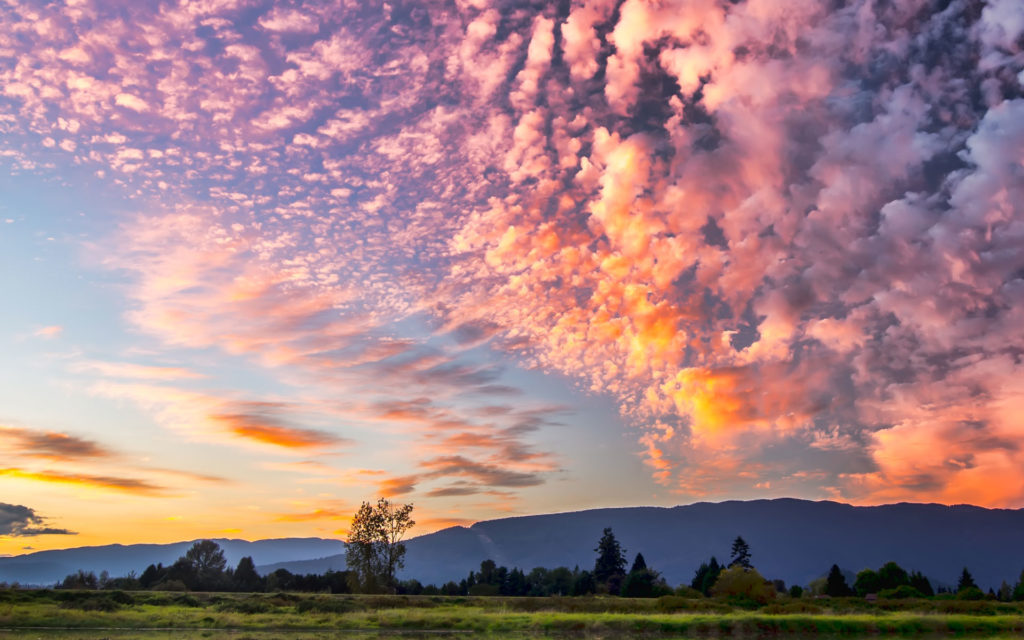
(785, 235)
(20, 521)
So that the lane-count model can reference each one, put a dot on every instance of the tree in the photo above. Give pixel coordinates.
(835, 584)
(740, 553)
(743, 584)
(892, 576)
(584, 584)
(639, 564)
(245, 577)
(643, 582)
(966, 581)
(921, 583)
(374, 550)
(80, 580)
(610, 567)
(205, 561)
(1018, 589)
(867, 582)
(706, 575)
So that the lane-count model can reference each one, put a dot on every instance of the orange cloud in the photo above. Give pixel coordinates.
(260, 429)
(127, 485)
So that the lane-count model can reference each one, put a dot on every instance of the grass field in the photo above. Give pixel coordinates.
(77, 615)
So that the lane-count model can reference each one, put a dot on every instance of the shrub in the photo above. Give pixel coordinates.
(970, 593)
(740, 584)
(902, 591)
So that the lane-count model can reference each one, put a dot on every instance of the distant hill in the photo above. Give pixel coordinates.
(48, 567)
(795, 540)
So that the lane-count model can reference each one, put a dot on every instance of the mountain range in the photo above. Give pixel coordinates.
(793, 540)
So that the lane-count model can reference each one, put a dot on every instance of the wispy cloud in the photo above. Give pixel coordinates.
(104, 482)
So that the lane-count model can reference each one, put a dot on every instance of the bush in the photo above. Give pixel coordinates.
(686, 591)
(245, 606)
(902, 591)
(970, 593)
(324, 605)
(739, 585)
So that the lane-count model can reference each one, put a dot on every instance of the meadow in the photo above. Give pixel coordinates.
(77, 615)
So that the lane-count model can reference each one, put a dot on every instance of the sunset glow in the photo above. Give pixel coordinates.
(263, 260)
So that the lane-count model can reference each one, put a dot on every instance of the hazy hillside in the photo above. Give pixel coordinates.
(47, 567)
(794, 540)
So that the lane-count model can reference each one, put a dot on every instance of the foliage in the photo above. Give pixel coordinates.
(966, 581)
(796, 591)
(375, 550)
(610, 566)
(1018, 589)
(867, 582)
(835, 584)
(740, 553)
(245, 576)
(902, 591)
(204, 562)
(80, 580)
(743, 584)
(921, 583)
(706, 575)
(892, 576)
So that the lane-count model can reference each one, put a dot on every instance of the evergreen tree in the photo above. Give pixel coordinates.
(584, 584)
(740, 553)
(835, 584)
(245, 577)
(706, 575)
(1018, 589)
(966, 581)
(610, 566)
(921, 583)
(639, 564)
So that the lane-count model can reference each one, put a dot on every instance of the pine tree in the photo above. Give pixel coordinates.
(611, 560)
(966, 581)
(740, 553)
(639, 564)
(835, 584)
(706, 575)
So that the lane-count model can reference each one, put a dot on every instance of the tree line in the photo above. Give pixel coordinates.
(375, 552)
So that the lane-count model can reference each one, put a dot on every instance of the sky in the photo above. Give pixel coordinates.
(261, 260)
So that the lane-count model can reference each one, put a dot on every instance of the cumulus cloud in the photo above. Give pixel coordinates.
(18, 521)
(785, 236)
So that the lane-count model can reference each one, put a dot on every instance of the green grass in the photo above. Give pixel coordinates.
(63, 614)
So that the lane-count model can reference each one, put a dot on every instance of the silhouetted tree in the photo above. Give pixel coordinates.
(374, 550)
(80, 580)
(1018, 589)
(202, 566)
(706, 575)
(835, 584)
(867, 582)
(639, 564)
(584, 584)
(740, 553)
(245, 577)
(921, 583)
(966, 581)
(610, 567)
(891, 576)
(152, 575)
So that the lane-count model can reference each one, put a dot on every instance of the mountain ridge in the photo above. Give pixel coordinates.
(791, 539)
